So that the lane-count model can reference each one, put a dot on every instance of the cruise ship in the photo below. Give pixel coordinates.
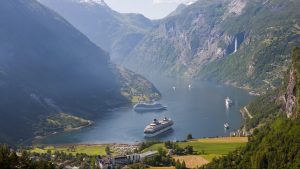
(228, 102)
(143, 106)
(157, 127)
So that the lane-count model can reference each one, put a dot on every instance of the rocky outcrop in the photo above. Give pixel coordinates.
(235, 8)
(290, 96)
(135, 87)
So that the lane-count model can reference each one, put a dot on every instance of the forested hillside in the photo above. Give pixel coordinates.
(276, 142)
(51, 74)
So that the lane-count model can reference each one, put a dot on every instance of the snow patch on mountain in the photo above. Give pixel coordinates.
(186, 2)
(190, 2)
(94, 2)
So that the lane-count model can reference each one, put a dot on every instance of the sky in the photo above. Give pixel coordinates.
(153, 9)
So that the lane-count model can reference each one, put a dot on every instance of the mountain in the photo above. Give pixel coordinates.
(178, 10)
(244, 43)
(114, 32)
(51, 75)
(275, 141)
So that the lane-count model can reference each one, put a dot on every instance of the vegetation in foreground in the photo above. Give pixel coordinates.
(195, 153)
(272, 146)
(52, 159)
(183, 156)
(9, 160)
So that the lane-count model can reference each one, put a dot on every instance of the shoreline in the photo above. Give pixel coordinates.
(248, 89)
(38, 138)
(227, 139)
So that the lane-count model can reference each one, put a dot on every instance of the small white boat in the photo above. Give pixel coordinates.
(226, 126)
(228, 102)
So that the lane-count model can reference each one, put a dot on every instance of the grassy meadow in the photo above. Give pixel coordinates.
(73, 149)
(205, 149)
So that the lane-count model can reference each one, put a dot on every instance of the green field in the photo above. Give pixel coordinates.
(213, 148)
(208, 148)
(86, 149)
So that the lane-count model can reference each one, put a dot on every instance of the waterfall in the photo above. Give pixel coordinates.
(235, 45)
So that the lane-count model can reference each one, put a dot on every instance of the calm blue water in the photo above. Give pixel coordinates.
(200, 111)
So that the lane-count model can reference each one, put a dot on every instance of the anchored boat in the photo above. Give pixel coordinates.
(226, 126)
(228, 102)
(143, 106)
(157, 127)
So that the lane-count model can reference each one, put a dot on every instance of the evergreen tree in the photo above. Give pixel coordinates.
(14, 160)
(178, 165)
(4, 157)
(183, 166)
(189, 137)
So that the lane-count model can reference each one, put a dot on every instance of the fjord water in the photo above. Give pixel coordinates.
(199, 110)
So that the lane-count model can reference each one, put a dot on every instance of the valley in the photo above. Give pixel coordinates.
(226, 73)
(200, 111)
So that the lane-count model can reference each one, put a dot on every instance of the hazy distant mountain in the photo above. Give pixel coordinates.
(49, 67)
(114, 32)
(243, 42)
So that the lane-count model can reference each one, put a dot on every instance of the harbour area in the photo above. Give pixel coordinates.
(195, 107)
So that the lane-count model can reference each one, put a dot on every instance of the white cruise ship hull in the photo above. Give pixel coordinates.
(158, 132)
(149, 109)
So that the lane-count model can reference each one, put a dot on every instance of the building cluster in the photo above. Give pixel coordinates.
(111, 162)
(240, 133)
(124, 148)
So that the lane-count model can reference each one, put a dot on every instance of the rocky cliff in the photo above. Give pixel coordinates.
(292, 92)
(290, 95)
(281, 101)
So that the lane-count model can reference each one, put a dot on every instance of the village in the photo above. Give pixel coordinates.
(190, 153)
(127, 154)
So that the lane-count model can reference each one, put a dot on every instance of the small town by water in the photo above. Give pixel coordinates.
(123, 136)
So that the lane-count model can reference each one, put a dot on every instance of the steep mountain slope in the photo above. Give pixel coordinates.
(277, 143)
(178, 10)
(242, 42)
(48, 67)
(112, 31)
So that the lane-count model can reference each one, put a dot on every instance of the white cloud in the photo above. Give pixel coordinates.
(188, 2)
